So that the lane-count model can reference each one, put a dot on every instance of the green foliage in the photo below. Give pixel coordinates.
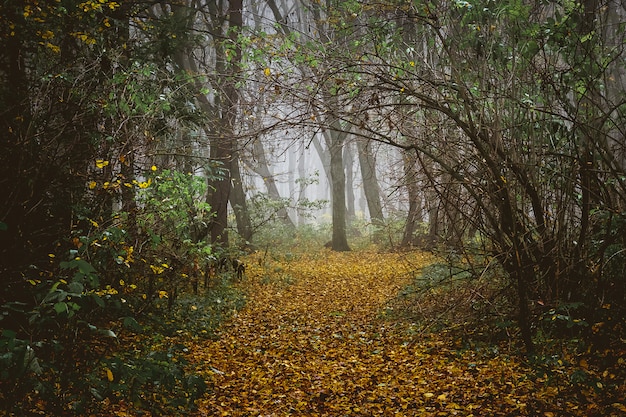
(201, 315)
(173, 207)
(105, 288)
(564, 316)
(87, 247)
(48, 345)
(154, 381)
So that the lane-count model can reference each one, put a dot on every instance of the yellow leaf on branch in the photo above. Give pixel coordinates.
(109, 374)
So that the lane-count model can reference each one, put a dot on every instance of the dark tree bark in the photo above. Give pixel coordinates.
(223, 144)
(348, 161)
(335, 140)
(415, 204)
(371, 189)
(238, 202)
(219, 191)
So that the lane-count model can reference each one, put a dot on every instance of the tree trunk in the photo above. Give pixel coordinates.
(262, 169)
(414, 215)
(323, 154)
(302, 182)
(454, 221)
(433, 223)
(18, 160)
(336, 140)
(238, 202)
(223, 146)
(371, 189)
(348, 161)
(219, 191)
(520, 270)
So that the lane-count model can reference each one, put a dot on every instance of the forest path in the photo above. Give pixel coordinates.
(313, 341)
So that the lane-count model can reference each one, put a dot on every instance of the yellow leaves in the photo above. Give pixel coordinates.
(109, 374)
(143, 184)
(101, 163)
(84, 37)
(98, 5)
(54, 48)
(267, 72)
(108, 290)
(158, 269)
(129, 253)
(310, 341)
(318, 337)
(48, 34)
(118, 182)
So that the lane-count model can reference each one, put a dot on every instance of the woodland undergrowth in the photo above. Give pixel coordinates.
(323, 334)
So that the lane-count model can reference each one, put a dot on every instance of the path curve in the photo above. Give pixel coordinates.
(312, 342)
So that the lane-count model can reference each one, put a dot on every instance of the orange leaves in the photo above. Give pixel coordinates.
(312, 341)
(312, 344)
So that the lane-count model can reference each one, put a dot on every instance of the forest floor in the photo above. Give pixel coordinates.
(317, 338)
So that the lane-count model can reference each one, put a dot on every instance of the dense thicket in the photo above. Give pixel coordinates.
(101, 221)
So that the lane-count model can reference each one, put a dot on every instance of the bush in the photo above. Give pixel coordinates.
(77, 343)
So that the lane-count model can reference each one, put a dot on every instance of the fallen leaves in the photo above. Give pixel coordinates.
(315, 344)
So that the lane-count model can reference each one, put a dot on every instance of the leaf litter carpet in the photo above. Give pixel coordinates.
(313, 340)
